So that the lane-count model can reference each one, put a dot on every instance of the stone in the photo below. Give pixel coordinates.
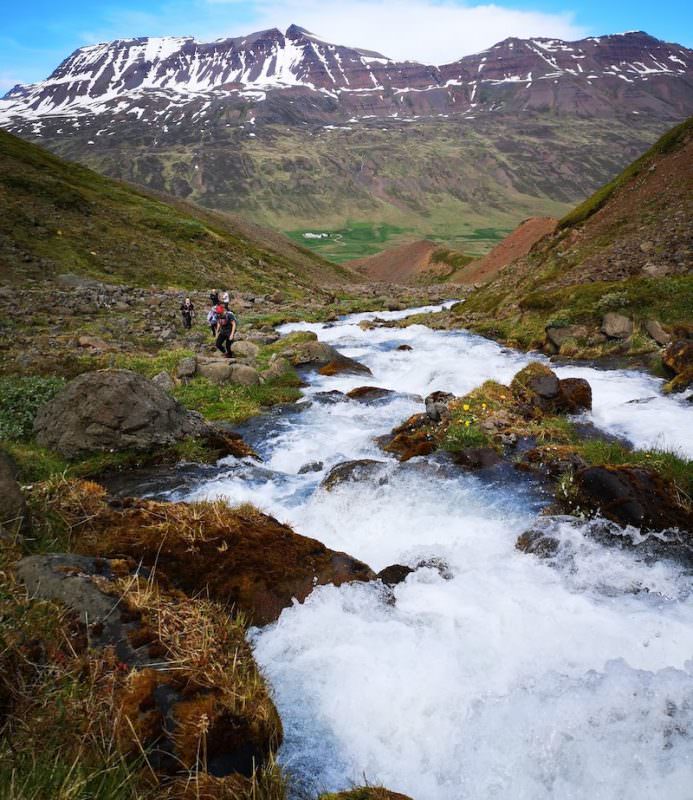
(186, 367)
(558, 335)
(476, 457)
(678, 356)
(437, 406)
(14, 512)
(616, 326)
(574, 396)
(655, 331)
(113, 409)
(244, 375)
(656, 270)
(365, 793)
(632, 496)
(363, 469)
(93, 343)
(394, 574)
(368, 394)
(164, 381)
(410, 439)
(327, 358)
(311, 466)
(245, 349)
(404, 348)
(537, 543)
(215, 370)
(277, 369)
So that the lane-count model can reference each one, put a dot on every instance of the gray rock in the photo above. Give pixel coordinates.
(360, 470)
(616, 326)
(215, 370)
(186, 367)
(657, 332)
(245, 349)
(320, 354)
(244, 375)
(437, 405)
(164, 381)
(277, 369)
(559, 335)
(113, 409)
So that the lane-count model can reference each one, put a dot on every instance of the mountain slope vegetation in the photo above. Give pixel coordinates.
(59, 217)
(627, 249)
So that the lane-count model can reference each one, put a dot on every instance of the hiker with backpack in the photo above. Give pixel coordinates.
(225, 300)
(187, 309)
(212, 320)
(226, 330)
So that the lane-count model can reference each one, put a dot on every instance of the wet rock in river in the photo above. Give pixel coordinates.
(537, 543)
(437, 405)
(476, 457)
(633, 496)
(367, 394)
(394, 574)
(412, 438)
(574, 396)
(311, 466)
(678, 357)
(363, 469)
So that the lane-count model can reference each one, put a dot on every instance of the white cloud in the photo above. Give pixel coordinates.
(418, 30)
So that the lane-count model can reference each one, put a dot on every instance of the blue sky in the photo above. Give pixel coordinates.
(36, 36)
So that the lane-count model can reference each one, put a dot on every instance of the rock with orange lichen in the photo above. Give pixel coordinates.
(414, 437)
(239, 556)
(186, 690)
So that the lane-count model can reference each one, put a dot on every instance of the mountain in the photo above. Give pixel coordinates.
(312, 137)
(60, 217)
(157, 78)
(627, 249)
(416, 262)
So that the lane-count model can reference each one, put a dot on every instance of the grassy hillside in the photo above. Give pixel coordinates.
(463, 183)
(59, 217)
(625, 249)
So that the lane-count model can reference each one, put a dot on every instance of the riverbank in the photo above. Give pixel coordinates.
(350, 667)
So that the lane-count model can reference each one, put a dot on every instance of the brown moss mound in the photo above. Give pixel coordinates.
(365, 793)
(414, 437)
(239, 556)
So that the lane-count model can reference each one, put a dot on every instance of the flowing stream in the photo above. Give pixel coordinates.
(497, 674)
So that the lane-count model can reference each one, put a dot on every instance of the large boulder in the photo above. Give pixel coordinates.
(14, 513)
(616, 326)
(245, 349)
(632, 496)
(113, 409)
(414, 437)
(368, 394)
(574, 396)
(437, 406)
(177, 696)
(244, 375)
(326, 358)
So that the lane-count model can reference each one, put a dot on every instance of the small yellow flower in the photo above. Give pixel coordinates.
(465, 407)
(483, 405)
(467, 423)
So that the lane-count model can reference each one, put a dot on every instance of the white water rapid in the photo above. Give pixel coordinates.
(508, 677)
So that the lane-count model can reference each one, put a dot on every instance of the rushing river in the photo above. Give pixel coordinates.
(505, 677)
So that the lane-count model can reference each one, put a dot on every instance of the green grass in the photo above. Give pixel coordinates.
(666, 144)
(20, 399)
(668, 464)
(232, 403)
(62, 217)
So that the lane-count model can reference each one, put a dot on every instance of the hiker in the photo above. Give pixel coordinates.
(214, 297)
(187, 309)
(226, 330)
(225, 299)
(212, 320)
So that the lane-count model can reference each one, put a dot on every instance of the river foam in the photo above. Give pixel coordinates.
(494, 674)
